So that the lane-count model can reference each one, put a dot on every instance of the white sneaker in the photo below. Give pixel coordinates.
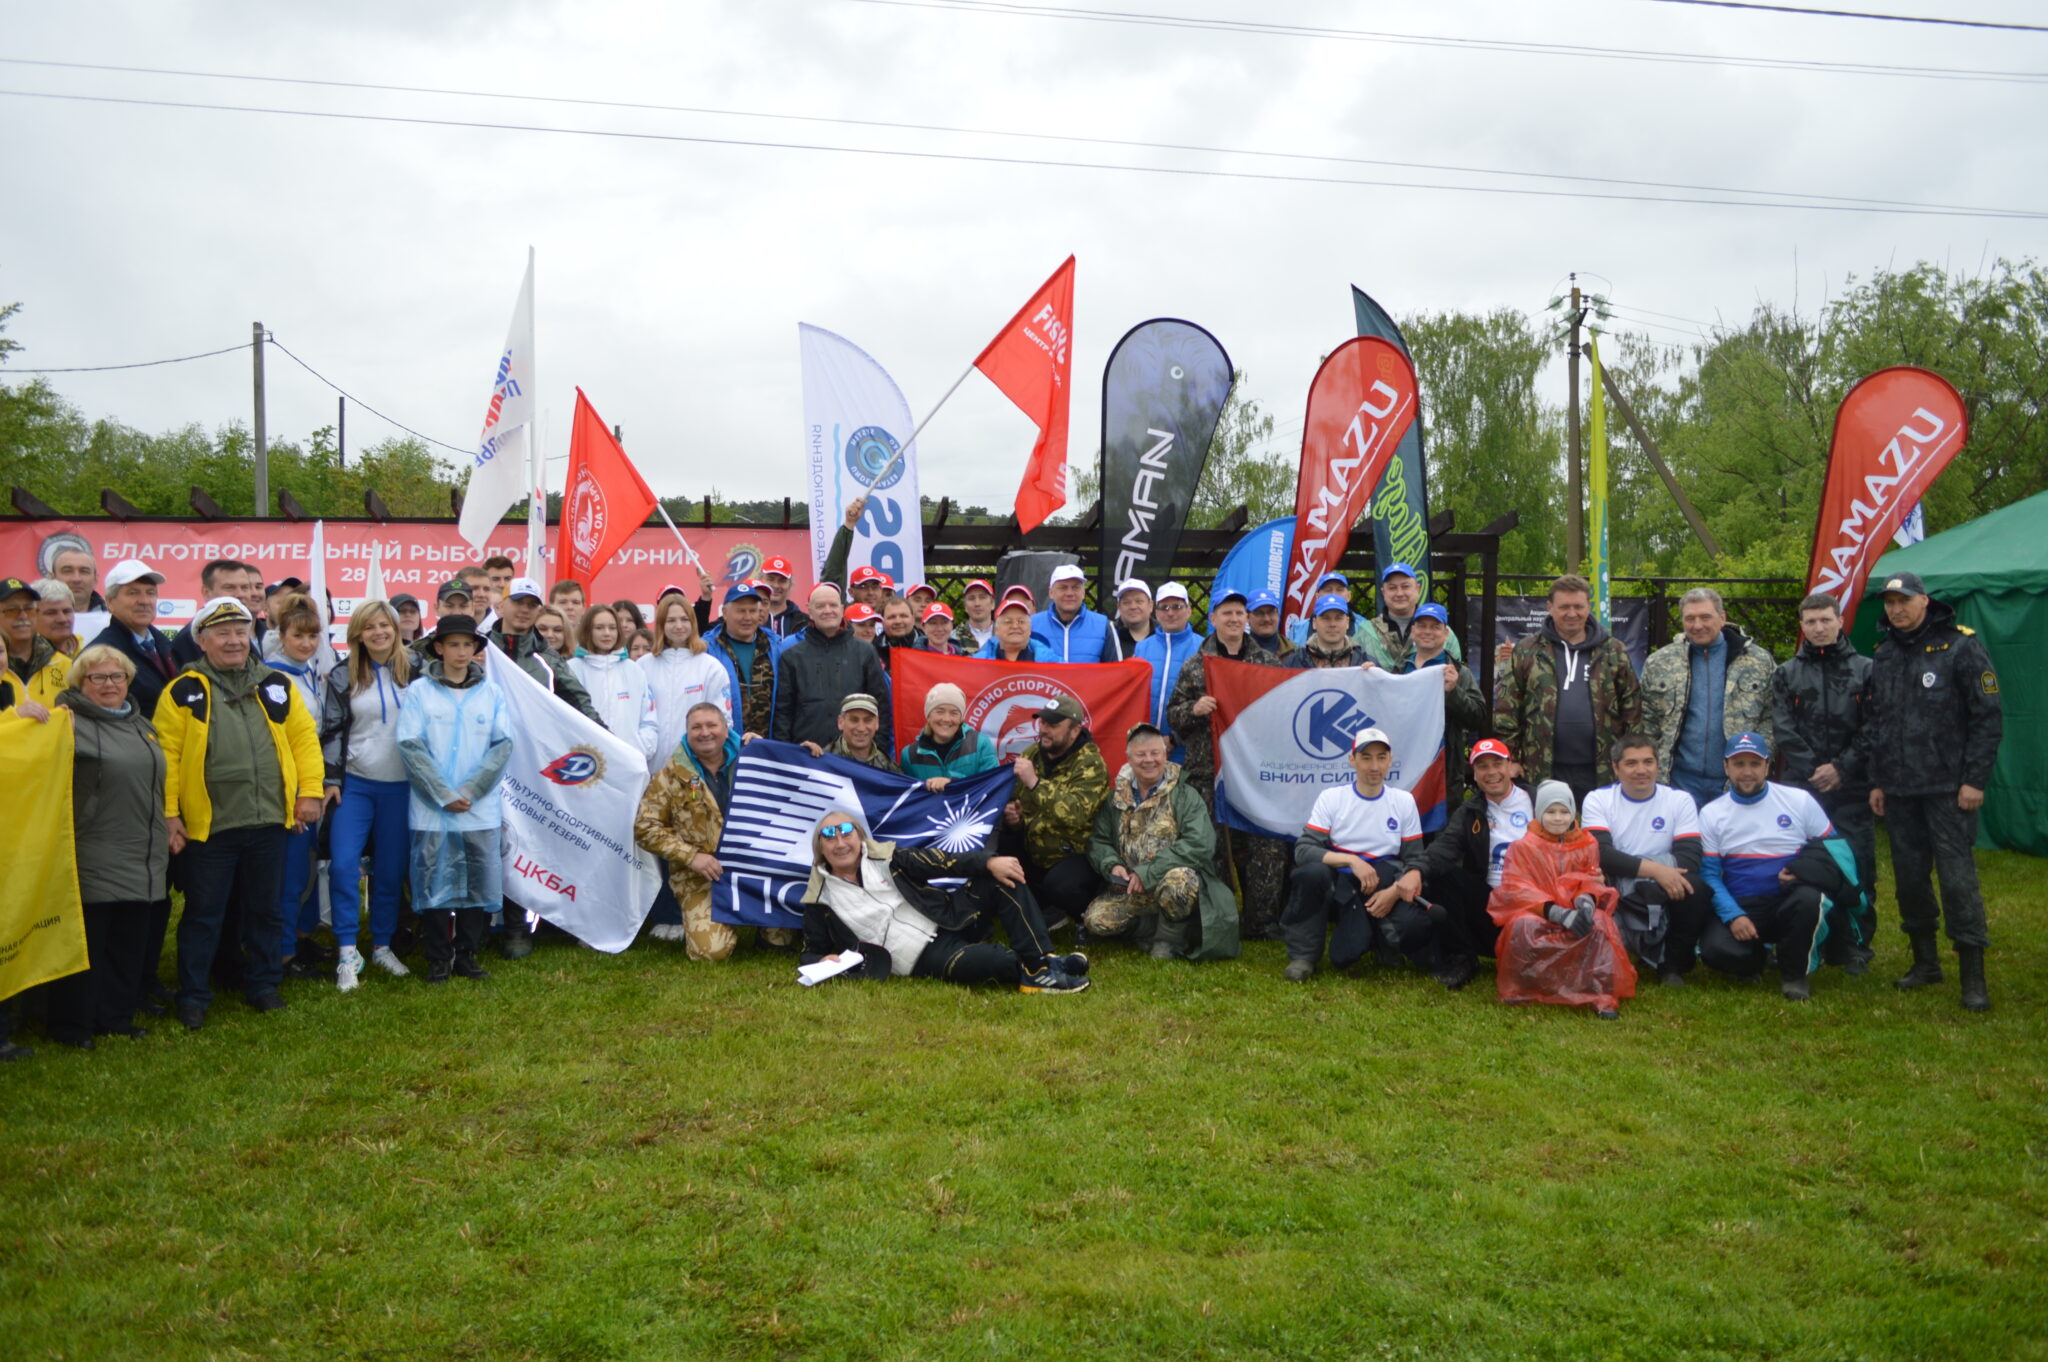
(666, 931)
(385, 959)
(349, 966)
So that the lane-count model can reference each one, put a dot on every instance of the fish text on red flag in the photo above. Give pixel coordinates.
(1359, 406)
(1031, 360)
(1894, 433)
(1004, 698)
(604, 498)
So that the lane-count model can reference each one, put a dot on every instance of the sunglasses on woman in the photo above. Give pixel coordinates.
(837, 830)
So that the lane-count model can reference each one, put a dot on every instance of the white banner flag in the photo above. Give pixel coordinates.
(1913, 528)
(854, 418)
(1288, 738)
(570, 793)
(499, 477)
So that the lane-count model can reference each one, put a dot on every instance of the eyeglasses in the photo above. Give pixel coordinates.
(837, 830)
(104, 678)
(1171, 605)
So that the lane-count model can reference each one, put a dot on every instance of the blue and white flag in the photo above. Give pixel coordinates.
(780, 791)
(854, 418)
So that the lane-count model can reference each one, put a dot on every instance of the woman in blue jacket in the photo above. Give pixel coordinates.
(946, 748)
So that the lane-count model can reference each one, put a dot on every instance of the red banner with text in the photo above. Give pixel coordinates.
(1004, 698)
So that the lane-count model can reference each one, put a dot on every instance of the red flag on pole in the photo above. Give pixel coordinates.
(1359, 406)
(605, 499)
(1029, 360)
(1894, 433)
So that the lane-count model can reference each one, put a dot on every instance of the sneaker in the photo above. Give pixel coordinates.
(437, 971)
(347, 969)
(386, 959)
(304, 967)
(1608, 1014)
(1073, 962)
(1052, 979)
(468, 968)
(1298, 971)
(1671, 978)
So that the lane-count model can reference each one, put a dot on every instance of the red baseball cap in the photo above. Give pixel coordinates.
(1490, 747)
(860, 612)
(863, 575)
(916, 587)
(1016, 596)
(776, 566)
(981, 583)
(938, 610)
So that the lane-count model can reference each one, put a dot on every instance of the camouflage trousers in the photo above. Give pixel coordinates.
(702, 938)
(1160, 911)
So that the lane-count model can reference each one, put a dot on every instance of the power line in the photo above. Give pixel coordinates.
(1858, 14)
(1029, 162)
(272, 339)
(977, 132)
(140, 364)
(1260, 27)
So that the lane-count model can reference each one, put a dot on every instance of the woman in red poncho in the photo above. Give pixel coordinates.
(1558, 942)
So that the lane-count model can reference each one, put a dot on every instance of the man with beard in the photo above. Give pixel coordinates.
(1062, 781)
(1569, 691)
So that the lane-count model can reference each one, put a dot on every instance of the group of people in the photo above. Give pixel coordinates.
(1603, 818)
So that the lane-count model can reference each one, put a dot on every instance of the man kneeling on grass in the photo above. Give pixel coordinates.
(879, 899)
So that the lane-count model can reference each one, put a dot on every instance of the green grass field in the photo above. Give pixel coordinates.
(636, 1157)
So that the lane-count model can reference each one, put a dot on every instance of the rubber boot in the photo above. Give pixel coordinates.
(1970, 964)
(1926, 964)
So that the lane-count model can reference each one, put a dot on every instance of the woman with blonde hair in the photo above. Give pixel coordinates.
(367, 787)
(553, 627)
(680, 673)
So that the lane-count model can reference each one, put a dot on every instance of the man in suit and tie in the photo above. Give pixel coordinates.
(131, 600)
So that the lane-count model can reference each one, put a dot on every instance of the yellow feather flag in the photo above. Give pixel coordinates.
(1596, 490)
(42, 928)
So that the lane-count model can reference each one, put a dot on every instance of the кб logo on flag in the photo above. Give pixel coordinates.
(780, 791)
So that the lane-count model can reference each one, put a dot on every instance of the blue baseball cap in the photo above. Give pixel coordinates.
(1230, 594)
(1752, 743)
(1396, 570)
(1331, 602)
(739, 591)
(1259, 600)
(1433, 611)
(1329, 577)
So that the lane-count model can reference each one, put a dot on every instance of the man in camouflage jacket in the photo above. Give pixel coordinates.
(1680, 719)
(1570, 650)
(680, 821)
(1061, 782)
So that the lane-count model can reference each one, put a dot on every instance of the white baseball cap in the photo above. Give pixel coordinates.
(1068, 572)
(524, 586)
(132, 570)
(1371, 735)
(1173, 591)
(1133, 584)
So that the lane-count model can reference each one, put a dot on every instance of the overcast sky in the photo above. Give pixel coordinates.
(672, 274)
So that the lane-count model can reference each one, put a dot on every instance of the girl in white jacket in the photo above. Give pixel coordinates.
(618, 689)
(680, 673)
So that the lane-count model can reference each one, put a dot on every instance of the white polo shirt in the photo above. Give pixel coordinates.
(1375, 828)
(1643, 828)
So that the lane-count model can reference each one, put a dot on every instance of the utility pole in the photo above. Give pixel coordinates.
(341, 431)
(262, 427)
(1574, 516)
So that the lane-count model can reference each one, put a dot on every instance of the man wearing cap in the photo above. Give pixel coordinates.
(1820, 711)
(1703, 689)
(1771, 860)
(860, 720)
(1167, 649)
(1358, 870)
(1155, 850)
(243, 768)
(1569, 690)
(922, 596)
(1062, 781)
(978, 611)
(1265, 624)
(1260, 862)
(36, 673)
(131, 601)
(1133, 616)
(784, 620)
(1329, 642)
(1465, 709)
(751, 656)
(871, 587)
(1462, 866)
(452, 598)
(822, 668)
(515, 638)
(1067, 630)
(1400, 600)
(1362, 631)
(1935, 723)
(1014, 641)
(1649, 836)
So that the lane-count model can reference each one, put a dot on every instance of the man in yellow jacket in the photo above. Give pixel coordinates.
(244, 769)
(35, 673)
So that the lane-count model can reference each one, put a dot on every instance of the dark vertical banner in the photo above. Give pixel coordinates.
(1400, 508)
(1162, 395)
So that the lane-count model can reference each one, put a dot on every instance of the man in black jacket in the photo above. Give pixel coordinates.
(131, 600)
(1820, 704)
(1935, 724)
(1461, 869)
(1649, 836)
(515, 637)
(820, 669)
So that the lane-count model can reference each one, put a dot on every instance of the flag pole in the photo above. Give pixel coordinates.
(536, 480)
(679, 535)
(904, 448)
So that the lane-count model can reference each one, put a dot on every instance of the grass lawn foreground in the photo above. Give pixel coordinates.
(636, 1157)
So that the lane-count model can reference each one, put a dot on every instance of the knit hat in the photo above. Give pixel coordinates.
(1555, 792)
(945, 693)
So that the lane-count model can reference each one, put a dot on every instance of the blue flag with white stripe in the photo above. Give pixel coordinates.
(780, 791)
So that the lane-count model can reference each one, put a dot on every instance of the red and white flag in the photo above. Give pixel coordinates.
(1894, 433)
(1004, 698)
(1360, 405)
(1031, 361)
(604, 499)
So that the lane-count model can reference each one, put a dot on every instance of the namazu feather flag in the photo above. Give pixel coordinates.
(1283, 737)
(780, 791)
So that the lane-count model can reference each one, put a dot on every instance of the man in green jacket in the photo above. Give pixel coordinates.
(1061, 783)
(1155, 849)
(1568, 692)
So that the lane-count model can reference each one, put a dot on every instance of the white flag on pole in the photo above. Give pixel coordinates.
(1913, 528)
(854, 419)
(316, 577)
(373, 580)
(499, 476)
(570, 793)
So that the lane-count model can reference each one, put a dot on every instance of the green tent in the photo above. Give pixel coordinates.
(1994, 571)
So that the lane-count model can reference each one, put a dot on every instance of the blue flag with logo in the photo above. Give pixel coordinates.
(780, 791)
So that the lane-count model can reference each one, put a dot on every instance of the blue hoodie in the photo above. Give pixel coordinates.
(1085, 638)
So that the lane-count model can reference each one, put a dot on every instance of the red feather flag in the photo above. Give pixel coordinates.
(604, 501)
(1031, 360)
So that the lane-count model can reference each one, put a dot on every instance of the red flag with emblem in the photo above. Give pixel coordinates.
(1004, 698)
(1031, 361)
(604, 501)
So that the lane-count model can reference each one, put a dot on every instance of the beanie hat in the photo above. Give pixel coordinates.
(945, 693)
(1555, 792)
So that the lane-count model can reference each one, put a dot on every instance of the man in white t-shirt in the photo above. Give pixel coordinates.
(1462, 866)
(1649, 836)
(1768, 866)
(1358, 868)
